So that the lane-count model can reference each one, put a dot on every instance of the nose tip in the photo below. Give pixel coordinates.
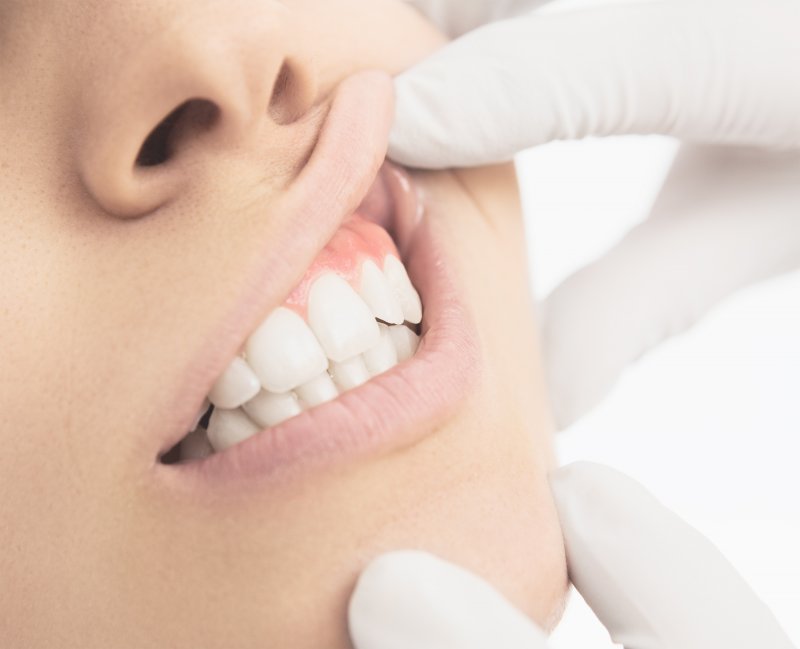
(200, 90)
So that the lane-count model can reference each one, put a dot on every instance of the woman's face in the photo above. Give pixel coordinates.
(137, 263)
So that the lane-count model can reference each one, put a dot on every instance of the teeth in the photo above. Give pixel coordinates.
(383, 356)
(318, 391)
(268, 409)
(340, 319)
(284, 353)
(290, 365)
(378, 294)
(229, 427)
(236, 385)
(349, 374)
(401, 284)
(195, 446)
(405, 342)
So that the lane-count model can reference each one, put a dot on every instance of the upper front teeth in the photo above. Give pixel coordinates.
(406, 293)
(378, 294)
(284, 352)
(341, 320)
(290, 365)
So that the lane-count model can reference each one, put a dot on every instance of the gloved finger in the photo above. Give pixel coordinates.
(456, 17)
(726, 218)
(413, 600)
(713, 71)
(653, 580)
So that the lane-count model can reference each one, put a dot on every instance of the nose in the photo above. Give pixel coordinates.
(204, 86)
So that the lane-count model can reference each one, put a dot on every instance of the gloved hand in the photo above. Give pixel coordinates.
(655, 583)
(726, 218)
(705, 70)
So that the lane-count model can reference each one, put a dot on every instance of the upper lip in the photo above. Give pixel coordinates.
(391, 410)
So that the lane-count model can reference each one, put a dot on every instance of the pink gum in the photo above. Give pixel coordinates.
(355, 242)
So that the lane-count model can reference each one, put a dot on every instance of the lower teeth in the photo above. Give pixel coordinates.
(218, 429)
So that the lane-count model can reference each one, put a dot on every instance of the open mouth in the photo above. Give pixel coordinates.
(371, 352)
(354, 316)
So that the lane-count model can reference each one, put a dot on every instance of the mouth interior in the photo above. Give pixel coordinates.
(354, 315)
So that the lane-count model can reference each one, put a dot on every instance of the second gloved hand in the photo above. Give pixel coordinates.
(654, 582)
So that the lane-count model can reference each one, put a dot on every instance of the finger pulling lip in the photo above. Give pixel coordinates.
(397, 408)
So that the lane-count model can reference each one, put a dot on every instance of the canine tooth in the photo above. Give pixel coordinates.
(284, 353)
(376, 291)
(405, 342)
(268, 409)
(318, 391)
(404, 290)
(341, 320)
(229, 427)
(237, 384)
(349, 374)
(202, 411)
(382, 356)
(195, 446)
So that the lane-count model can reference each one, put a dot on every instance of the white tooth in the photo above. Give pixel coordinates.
(382, 356)
(318, 391)
(340, 319)
(284, 353)
(350, 373)
(268, 409)
(236, 385)
(401, 284)
(229, 427)
(203, 409)
(195, 446)
(376, 291)
(405, 342)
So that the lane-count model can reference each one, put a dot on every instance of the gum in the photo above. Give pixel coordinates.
(355, 242)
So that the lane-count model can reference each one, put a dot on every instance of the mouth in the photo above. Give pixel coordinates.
(371, 352)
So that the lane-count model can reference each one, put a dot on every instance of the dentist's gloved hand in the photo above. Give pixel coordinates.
(654, 582)
(726, 218)
(709, 71)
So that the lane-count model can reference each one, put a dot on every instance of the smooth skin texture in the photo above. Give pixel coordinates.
(115, 278)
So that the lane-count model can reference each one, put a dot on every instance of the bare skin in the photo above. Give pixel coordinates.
(116, 277)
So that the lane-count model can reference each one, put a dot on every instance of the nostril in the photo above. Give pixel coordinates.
(292, 94)
(188, 120)
(156, 148)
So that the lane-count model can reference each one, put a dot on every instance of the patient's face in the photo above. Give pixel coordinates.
(137, 262)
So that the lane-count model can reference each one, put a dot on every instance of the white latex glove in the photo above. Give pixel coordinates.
(726, 218)
(704, 70)
(654, 581)
(708, 71)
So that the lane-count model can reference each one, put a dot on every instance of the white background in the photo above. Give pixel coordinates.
(709, 421)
